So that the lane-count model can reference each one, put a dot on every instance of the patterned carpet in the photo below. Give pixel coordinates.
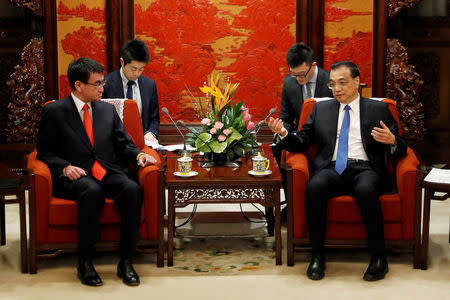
(224, 255)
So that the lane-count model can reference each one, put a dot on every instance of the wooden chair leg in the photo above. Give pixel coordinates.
(23, 233)
(2, 224)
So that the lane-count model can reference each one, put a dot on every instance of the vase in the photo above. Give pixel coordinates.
(220, 159)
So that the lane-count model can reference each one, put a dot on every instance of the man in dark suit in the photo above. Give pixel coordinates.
(305, 80)
(83, 142)
(352, 134)
(128, 82)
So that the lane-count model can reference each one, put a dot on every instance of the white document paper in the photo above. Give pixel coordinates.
(179, 147)
(154, 145)
(438, 176)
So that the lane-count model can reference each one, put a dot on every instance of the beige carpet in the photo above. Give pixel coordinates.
(233, 268)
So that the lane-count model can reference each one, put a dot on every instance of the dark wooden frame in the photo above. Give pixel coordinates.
(379, 48)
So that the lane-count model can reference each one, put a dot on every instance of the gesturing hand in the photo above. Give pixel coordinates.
(276, 125)
(73, 173)
(383, 134)
(145, 160)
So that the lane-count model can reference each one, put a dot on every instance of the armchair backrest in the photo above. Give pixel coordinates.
(129, 112)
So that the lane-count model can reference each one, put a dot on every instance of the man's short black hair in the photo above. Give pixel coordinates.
(354, 71)
(135, 50)
(80, 70)
(298, 54)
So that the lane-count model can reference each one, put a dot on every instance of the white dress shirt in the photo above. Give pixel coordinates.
(135, 88)
(80, 104)
(355, 145)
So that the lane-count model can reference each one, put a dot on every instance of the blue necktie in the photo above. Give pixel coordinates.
(342, 152)
(130, 89)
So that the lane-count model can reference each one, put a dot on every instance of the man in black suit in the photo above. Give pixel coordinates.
(128, 82)
(83, 142)
(305, 80)
(352, 134)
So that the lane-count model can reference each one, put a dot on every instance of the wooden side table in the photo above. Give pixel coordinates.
(431, 188)
(222, 185)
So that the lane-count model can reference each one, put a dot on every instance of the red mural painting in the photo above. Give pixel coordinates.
(184, 35)
(97, 15)
(357, 48)
(84, 42)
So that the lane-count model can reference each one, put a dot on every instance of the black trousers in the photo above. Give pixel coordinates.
(358, 180)
(90, 194)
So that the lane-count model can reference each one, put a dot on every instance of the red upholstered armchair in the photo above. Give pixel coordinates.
(53, 221)
(401, 211)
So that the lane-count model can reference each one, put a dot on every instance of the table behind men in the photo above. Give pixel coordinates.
(223, 185)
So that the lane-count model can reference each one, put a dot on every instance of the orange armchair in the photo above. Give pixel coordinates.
(53, 221)
(345, 228)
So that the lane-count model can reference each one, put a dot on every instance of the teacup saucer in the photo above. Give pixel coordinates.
(192, 173)
(265, 173)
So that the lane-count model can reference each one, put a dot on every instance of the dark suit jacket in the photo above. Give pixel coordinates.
(62, 139)
(321, 129)
(149, 98)
(292, 98)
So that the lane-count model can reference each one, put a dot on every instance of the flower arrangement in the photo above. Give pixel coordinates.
(225, 126)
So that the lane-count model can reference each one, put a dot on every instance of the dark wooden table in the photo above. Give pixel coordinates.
(431, 188)
(223, 185)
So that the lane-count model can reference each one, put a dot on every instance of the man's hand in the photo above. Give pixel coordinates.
(383, 134)
(276, 125)
(73, 173)
(145, 160)
(150, 137)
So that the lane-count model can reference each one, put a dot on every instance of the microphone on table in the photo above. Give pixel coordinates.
(261, 123)
(166, 111)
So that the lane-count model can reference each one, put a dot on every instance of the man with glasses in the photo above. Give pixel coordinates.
(305, 80)
(81, 139)
(128, 82)
(353, 135)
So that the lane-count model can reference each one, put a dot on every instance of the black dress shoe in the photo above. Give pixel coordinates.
(316, 268)
(87, 274)
(377, 269)
(126, 271)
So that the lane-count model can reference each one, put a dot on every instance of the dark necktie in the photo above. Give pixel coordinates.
(308, 90)
(342, 152)
(130, 89)
(98, 172)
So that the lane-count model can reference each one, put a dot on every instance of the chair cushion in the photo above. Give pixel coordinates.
(63, 212)
(345, 209)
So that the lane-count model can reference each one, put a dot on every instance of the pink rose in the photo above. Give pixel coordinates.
(213, 130)
(250, 125)
(206, 121)
(227, 131)
(222, 138)
(218, 125)
(243, 107)
(246, 116)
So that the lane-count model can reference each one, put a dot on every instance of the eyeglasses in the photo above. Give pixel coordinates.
(333, 85)
(302, 76)
(97, 84)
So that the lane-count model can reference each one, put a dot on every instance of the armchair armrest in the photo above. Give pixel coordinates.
(149, 180)
(406, 173)
(42, 196)
(298, 162)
